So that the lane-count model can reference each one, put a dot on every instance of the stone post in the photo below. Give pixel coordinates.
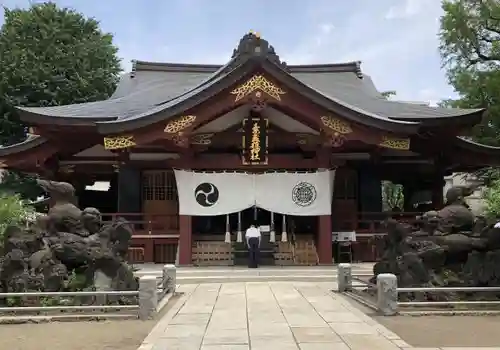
(387, 294)
(148, 298)
(169, 278)
(344, 277)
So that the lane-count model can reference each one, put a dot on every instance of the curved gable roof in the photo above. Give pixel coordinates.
(30, 142)
(153, 86)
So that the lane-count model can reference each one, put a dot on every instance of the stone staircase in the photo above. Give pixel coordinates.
(196, 275)
(267, 250)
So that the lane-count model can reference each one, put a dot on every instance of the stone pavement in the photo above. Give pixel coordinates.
(265, 316)
(270, 316)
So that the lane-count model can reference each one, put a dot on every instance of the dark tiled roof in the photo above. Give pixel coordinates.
(465, 143)
(153, 86)
(30, 142)
(137, 93)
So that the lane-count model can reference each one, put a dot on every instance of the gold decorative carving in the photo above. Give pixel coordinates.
(336, 140)
(255, 143)
(201, 139)
(179, 124)
(258, 83)
(119, 142)
(336, 124)
(395, 143)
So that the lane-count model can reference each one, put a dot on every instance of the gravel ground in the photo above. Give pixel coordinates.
(96, 335)
(441, 331)
(105, 335)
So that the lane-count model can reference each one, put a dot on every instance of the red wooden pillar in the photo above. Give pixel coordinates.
(325, 240)
(185, 240)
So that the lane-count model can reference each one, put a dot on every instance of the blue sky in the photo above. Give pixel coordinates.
(396, 40)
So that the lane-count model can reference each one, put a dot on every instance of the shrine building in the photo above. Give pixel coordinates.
(194, 153)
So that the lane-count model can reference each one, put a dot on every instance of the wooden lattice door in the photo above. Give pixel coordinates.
(345, 200)
(160, 200)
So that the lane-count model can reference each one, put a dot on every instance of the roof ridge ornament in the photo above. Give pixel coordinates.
(252, 44)
(134, 68)
(359, 73)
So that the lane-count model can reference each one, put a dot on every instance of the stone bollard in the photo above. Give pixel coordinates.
(148, 298)
(344, 277)
(387, 294)
(169, 278)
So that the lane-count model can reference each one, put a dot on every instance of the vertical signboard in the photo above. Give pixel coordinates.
(255, 141)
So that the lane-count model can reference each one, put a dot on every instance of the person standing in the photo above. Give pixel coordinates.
(253, 238)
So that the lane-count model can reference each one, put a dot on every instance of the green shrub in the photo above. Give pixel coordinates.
(13, 211)
(492, 200)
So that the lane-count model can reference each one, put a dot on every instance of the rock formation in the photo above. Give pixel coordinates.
(67, 250)
(447, 248)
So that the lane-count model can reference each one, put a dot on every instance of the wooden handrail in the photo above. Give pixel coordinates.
(372, 222)
(148, 223)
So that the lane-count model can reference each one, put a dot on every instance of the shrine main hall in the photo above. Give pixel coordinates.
(192, 154)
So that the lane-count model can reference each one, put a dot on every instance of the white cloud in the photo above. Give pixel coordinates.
(398, 55)
(405, 9)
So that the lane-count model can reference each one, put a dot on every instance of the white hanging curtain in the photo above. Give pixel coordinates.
(301, 194)
(210, 194)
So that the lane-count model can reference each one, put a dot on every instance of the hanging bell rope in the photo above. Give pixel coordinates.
(228, 230)
(272, 236)
(284, 236)
(239, 236)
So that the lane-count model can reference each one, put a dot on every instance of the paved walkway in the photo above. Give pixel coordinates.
(267, 315)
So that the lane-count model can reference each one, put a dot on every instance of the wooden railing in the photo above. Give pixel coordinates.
(373, 222)
(148, 224)
(369, 228)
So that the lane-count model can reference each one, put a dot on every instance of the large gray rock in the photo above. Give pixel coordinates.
(69, 249)
(438, 254)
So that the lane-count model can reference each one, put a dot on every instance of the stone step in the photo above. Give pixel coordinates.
(233, 279)
(262, 271)
(256, 278)
(263, 274)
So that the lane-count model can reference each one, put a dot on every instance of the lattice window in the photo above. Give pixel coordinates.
(147, 186)
(159, 186)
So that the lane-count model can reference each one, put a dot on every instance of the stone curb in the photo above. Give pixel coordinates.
(385, 332)
(153, 336)
(64, 318)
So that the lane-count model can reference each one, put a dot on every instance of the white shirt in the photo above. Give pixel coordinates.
(252, 232)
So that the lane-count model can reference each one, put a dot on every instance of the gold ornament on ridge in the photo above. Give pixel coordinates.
(258, 83)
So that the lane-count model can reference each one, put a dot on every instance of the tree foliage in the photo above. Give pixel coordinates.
(13, 211)
(392, 196)
(470, 48)
(51, 56)
(492, 200)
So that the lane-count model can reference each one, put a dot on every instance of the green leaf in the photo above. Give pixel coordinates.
(13, 211)
(51, 56)
(470, 49)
